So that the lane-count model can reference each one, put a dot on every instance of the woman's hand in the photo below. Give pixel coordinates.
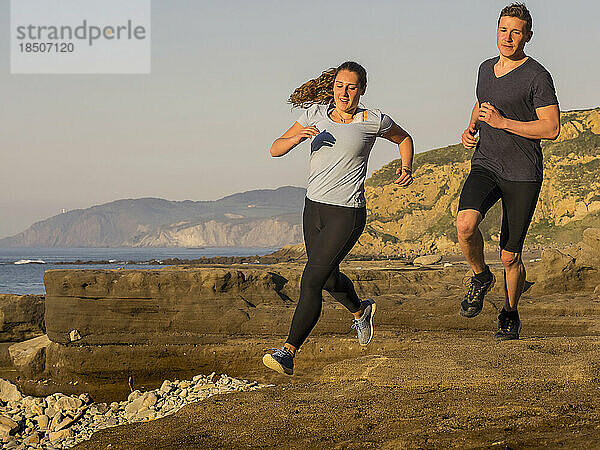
(306, 132)
(405, 145)
(405, 178)
(292, 137)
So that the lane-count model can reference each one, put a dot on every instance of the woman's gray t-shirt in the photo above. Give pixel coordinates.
(339, 154)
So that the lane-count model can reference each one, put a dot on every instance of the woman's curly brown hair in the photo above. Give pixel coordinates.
(319, 91)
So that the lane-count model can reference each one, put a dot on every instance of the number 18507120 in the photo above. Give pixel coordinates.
(43, 47)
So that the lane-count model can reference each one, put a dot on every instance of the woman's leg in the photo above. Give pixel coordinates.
(338, 228)
(341, 288)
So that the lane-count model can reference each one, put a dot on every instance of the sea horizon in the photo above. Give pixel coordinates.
(22, 268)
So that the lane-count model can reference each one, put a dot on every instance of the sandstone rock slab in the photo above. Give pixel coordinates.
(182, 306)
(29, 357)
(21, 317)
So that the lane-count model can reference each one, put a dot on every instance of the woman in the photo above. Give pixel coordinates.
(342, 136)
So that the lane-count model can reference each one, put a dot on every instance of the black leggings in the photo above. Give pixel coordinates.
(330, 232)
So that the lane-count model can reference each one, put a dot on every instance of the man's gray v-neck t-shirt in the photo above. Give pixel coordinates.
(339, 155)
(516, 95)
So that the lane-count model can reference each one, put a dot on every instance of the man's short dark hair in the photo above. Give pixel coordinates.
(520, 11)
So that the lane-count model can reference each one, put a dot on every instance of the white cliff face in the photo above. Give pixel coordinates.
(269, 232)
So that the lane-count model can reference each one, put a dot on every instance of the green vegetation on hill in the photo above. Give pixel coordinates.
(439, 157)
(569, 201)
(546, 232)
(587, 143)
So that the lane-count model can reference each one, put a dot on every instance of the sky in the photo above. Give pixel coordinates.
(200, 125)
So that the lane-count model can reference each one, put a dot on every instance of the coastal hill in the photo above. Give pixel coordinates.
(422, 217)
(254, 218)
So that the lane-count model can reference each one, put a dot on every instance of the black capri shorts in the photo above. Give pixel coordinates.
(484, 188)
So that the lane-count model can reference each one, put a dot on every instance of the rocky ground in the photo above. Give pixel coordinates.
(430, 378)
(434, 380)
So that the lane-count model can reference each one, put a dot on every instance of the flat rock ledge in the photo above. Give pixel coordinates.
(157, 324)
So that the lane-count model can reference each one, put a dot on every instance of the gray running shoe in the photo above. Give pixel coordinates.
(280, 361)
(364, 325)
(473, 301)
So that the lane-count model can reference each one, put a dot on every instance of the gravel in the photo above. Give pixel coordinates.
(61, 421)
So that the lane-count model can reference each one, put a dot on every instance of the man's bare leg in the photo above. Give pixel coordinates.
(470, 238)
(514, 278)
(509, 324)
(471, 242)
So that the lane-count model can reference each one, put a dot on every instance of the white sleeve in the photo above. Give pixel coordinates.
(307, 117)
(385, 124)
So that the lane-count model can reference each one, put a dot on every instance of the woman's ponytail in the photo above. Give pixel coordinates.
(316, 91)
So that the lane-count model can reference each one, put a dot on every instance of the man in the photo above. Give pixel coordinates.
(516, 107)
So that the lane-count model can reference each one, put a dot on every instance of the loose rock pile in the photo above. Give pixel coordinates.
(61, 421)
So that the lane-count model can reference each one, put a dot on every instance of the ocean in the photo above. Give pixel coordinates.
(22, 269)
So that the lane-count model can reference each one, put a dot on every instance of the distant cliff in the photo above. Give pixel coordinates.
(268, 232)
(268, 217)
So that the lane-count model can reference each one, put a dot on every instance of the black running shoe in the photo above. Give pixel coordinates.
(508, 327)
(473, 302)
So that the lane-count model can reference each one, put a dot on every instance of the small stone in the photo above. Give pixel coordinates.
(134, 396)
(74, 335)
(58, 417)
(42, 421)
(29, 357)
(68, 403)
(60, 435)
(166, 387)
(8, 425)
(63, 423)
(141, 404)
(9, 392)
(36, 409)
(111, 422)
(32, 439)
(427, 260)
(146, 415)
(597, 289)
(100, 408)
